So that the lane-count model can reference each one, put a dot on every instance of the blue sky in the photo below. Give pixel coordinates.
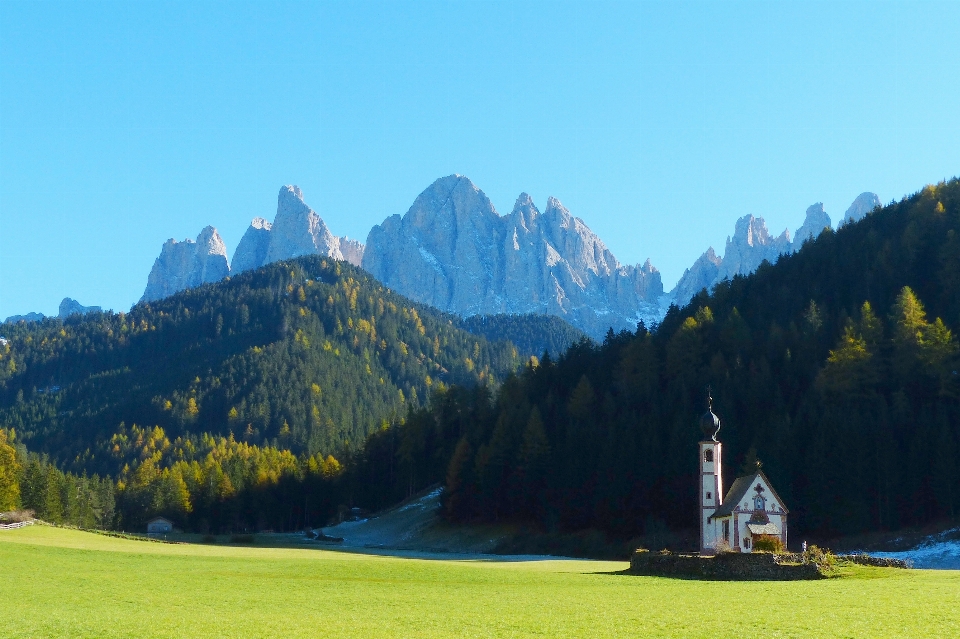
(124, 124)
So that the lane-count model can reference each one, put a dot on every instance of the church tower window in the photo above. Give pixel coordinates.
(708, 455)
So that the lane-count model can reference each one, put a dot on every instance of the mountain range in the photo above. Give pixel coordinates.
(452, 250)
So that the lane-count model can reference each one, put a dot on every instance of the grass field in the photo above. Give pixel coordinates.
(65, 583)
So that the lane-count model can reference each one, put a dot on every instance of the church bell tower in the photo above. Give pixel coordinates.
(711, 479)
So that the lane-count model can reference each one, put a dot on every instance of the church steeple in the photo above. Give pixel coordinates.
(711, 479)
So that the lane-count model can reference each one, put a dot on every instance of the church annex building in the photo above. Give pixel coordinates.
(751, 509)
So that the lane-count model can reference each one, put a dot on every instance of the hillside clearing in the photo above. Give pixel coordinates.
(62, 583)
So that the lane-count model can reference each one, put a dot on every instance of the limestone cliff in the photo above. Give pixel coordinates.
(752, 243)
(251, 253)
(297, 230)
(453, 251)
(864, 203)
(702, 275)
(70, 307)
(186, 264)
(814, 222)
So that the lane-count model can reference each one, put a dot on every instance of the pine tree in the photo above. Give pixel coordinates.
(458, 493)
(52, 496)
(10, 469)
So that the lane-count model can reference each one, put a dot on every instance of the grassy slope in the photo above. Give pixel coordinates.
(66, 583)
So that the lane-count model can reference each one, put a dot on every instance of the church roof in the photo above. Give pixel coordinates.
(739, 489)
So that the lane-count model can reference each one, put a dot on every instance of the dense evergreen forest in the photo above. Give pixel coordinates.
(836, 366)
(225, 407)
(308, 356)
(533, 335)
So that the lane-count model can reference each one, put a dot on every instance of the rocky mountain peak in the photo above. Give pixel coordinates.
(70, 307)
(452, 250)
(187, 264)
(211, 242)
(864, 203)
(750, 245)
(251, 252)
(292, 191)
(297, 230)
(525, 211)
(815, 220)
(701, 275)
(558, 212)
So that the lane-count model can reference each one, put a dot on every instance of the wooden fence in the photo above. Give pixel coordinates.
(19, 524)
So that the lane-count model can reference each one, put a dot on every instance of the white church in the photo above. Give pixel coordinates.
(750, 510)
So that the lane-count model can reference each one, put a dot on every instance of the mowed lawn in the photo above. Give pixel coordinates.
(64, 583)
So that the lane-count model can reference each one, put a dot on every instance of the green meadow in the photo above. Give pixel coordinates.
(67, 583)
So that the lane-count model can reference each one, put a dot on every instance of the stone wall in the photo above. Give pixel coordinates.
(725, 566)
(879, 562)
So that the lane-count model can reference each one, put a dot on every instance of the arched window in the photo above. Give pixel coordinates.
(708, 455)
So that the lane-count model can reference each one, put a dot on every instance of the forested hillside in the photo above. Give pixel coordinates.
(837, 367)
(308, 356)
(533, 335)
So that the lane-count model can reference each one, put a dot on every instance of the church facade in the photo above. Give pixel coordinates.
(749, 511)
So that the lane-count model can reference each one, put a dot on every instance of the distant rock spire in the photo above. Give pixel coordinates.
(251, 253)
(70, 307)
(864, 203)
(814, 222)
(186, 264)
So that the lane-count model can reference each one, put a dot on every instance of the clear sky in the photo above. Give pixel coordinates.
(124, 124)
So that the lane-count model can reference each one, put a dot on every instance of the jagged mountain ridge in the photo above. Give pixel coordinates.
(297, 230)
(453, 251)
(68, 307)
(752, 244)
(187, 264)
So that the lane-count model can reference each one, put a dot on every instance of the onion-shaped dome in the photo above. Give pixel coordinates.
(710, 423)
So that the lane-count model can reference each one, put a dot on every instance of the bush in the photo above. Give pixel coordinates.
(16, 516)
(823, 559)
(208, 539)
(768, 544)
(723, 546)
(241, 539)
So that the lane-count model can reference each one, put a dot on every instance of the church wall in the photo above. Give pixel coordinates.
(745, 509)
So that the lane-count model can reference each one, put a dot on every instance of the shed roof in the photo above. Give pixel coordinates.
(156, 519)
(739, 489)
(763, 529)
